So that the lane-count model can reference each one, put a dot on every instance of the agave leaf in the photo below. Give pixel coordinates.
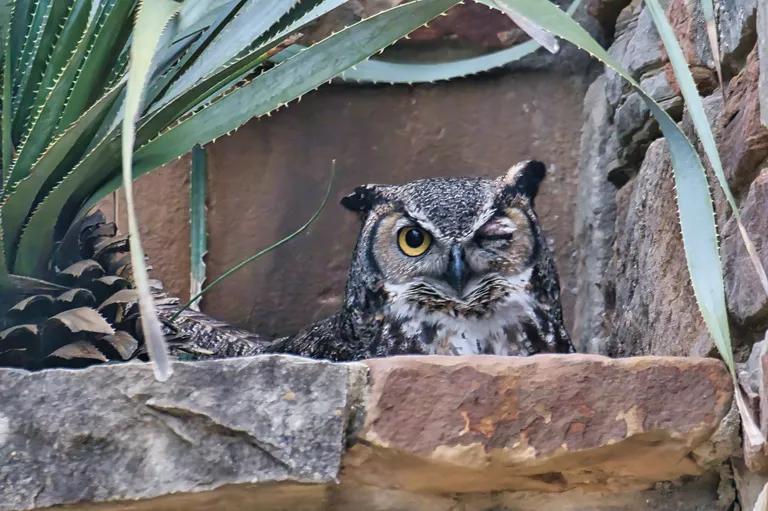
(37, 238)
(198, 241)
(21, 200)
(70, 34)
(295, 77)
(80, 273)
(152, 18)
(694, 201)
(283, 83)
(108, 39)
(701, 124)
(708, 9)
(248, 25)
(20, 20)
(19, 285)
(5, 19)
(173, 103)
(31, 309)
(196, 16)
(75, 321)
(544, 38)
(48, 111)
(31, 39)
(379, 71)
(119, 305)
(106, 286)
(34, 59)
(7, 109)
(159, 84)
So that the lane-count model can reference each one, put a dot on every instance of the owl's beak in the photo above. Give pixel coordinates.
(458, 272)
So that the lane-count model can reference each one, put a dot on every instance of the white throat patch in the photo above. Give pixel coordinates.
(463, 335)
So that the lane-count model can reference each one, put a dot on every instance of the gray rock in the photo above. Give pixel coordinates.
(650, 306)
(657, 85)
(113, 433)
(630, 117)
(762, 48)
(644, 49)
(616, 86)
(746, 300)
(595, 217)
(736, 26)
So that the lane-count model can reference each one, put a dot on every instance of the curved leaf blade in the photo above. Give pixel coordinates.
(694, 202)
(153, 16)
(198, 239)
(289, 80)
(700, 122)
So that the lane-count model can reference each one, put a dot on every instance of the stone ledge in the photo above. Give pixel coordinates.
(113, 433)
(545, 423)
(271, 432)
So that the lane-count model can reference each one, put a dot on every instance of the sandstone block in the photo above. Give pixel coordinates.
(543, 423)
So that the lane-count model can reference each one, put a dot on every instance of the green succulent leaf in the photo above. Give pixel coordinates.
(111, 35)
(285, 82)
(700, 122)
(49, 166)
(198, 236)
(694, 202)
(152, 18)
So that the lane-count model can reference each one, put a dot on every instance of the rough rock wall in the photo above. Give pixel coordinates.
(634, 295)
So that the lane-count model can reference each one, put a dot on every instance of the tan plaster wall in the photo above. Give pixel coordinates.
(267, 178)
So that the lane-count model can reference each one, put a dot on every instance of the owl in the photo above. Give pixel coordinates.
(447, 266)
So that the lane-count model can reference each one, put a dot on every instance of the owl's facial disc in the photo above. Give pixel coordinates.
(471, 272)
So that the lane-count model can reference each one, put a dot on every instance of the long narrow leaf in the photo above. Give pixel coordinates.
(253, 19)
(33, 62)
(48, 112)
(152, 17)
(198, 212)
(267, 92)
(7, 112)
(289, 80)
(694, 202)
(708, 9)
(378, 71)
(701, 124)
(92, 76)
(21, 201)
(544, 38)
(237, 267)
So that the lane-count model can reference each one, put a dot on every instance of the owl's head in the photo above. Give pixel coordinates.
(452, 244)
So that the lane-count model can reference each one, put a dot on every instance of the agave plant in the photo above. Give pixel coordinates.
(65, 281)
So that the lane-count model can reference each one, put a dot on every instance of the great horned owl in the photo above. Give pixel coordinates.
(449, 266)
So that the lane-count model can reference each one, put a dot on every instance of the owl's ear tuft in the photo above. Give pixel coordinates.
(525, 177)
(362, 199)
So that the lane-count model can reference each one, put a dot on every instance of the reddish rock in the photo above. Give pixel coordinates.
(545, 423)
(687, 21)
(650, 305)
(474, 24)
(744, 139)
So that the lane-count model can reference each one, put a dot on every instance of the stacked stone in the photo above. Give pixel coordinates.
(634, 294)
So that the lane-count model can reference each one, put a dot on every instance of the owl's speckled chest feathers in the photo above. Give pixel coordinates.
(500, 318)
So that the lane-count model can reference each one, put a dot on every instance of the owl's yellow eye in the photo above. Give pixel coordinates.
(413, 241)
